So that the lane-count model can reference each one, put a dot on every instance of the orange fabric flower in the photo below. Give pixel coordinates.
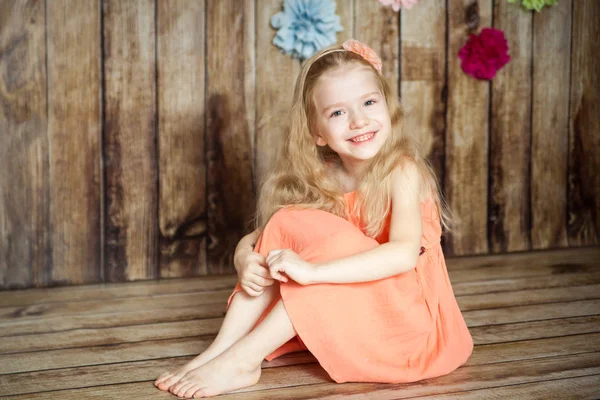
(364, 51)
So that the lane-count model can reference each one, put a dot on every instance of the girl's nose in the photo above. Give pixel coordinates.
(359, 121)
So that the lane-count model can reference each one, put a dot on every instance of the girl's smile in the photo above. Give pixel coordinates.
(362, 138)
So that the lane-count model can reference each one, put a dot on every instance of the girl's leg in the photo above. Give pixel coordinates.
(242, 315)
(238, 366)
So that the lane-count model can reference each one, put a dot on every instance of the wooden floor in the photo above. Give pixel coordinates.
(535, 319)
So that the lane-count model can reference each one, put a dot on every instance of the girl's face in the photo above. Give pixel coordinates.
(351, 114)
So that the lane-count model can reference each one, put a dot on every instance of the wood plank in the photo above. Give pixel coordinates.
(467, 134)
(582, 387)
(275, 78)
(583, 223)
(123, 305)
(563, 260)
(528, 297)
(518, 271)
(181, 135)
(132, 311)
(124, 352)
(25, 242)
(535, 312)
(534, 329)
(110, 336)
(106, 354)
(210, 326)
(74, 123)
(565, 257)
(310, 381)
(110, 374)
(509, 218)
(423, 78)
(131, 230)
(112, 319)
(378, 28)
(460, 380)
(110, 291)
(536, 282)
(346, 10)
(229, 151)
(549, 131)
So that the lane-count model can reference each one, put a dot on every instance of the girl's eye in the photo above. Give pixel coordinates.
(369, 102)
(336, 113)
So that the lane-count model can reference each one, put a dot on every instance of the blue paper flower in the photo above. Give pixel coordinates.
(305, 26)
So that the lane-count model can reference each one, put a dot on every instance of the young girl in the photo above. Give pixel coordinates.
(347, 261)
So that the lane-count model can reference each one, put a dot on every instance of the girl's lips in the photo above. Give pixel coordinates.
(365, 137)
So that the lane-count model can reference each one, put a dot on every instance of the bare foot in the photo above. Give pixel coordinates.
(227, 372)
(169, 378)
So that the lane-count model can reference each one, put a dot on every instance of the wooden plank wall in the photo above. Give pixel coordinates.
(133, 135)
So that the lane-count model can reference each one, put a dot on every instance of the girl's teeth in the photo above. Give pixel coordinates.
(362, 138)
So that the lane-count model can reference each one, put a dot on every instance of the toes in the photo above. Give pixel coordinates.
(169, 382)
(204, 392)
(190, 390)
(183, 389)
(162, 377)
(175, 389)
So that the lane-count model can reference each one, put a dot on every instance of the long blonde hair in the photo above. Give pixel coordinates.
(300, 177)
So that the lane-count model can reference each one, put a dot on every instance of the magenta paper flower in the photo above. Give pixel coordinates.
(484, 54)
(397, 4)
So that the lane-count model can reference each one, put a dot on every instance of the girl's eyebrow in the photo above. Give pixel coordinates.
(336, 105)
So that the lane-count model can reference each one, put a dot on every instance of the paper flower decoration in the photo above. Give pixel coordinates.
(305, 26)
(397, 4)
(484, 54)
(364, 51)
(536, 5)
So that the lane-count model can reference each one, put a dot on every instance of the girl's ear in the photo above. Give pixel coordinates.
(320, 141)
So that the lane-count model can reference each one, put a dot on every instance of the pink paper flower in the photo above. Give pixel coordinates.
(364, 51)
(397, 4)
(484, 54)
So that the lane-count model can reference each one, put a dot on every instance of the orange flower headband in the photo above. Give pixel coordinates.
(364, 51)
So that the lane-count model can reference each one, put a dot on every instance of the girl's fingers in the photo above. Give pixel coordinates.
(272, 256)
(261, 271)
(251, 292)
(260, 281)
(254, 286)
(275, 272)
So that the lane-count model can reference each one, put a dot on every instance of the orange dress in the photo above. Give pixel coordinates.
(404, 328)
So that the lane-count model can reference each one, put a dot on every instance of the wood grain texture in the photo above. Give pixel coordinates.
(423, 78)
(312, 382)
(467, 134)
(74, 130)
(231, 201)
(182, 214)
(131, 229)
(25, 242)
(583, 226)
(378, 27)
(549, 131)
(346, 10)
(582, 387)
(526, 336)
(510, 136)
(210, 326)
(276, 75)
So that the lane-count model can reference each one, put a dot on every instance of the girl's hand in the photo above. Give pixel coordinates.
(290, 263)
(252, 272)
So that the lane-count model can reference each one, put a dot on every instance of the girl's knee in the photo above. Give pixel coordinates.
(317, 233)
